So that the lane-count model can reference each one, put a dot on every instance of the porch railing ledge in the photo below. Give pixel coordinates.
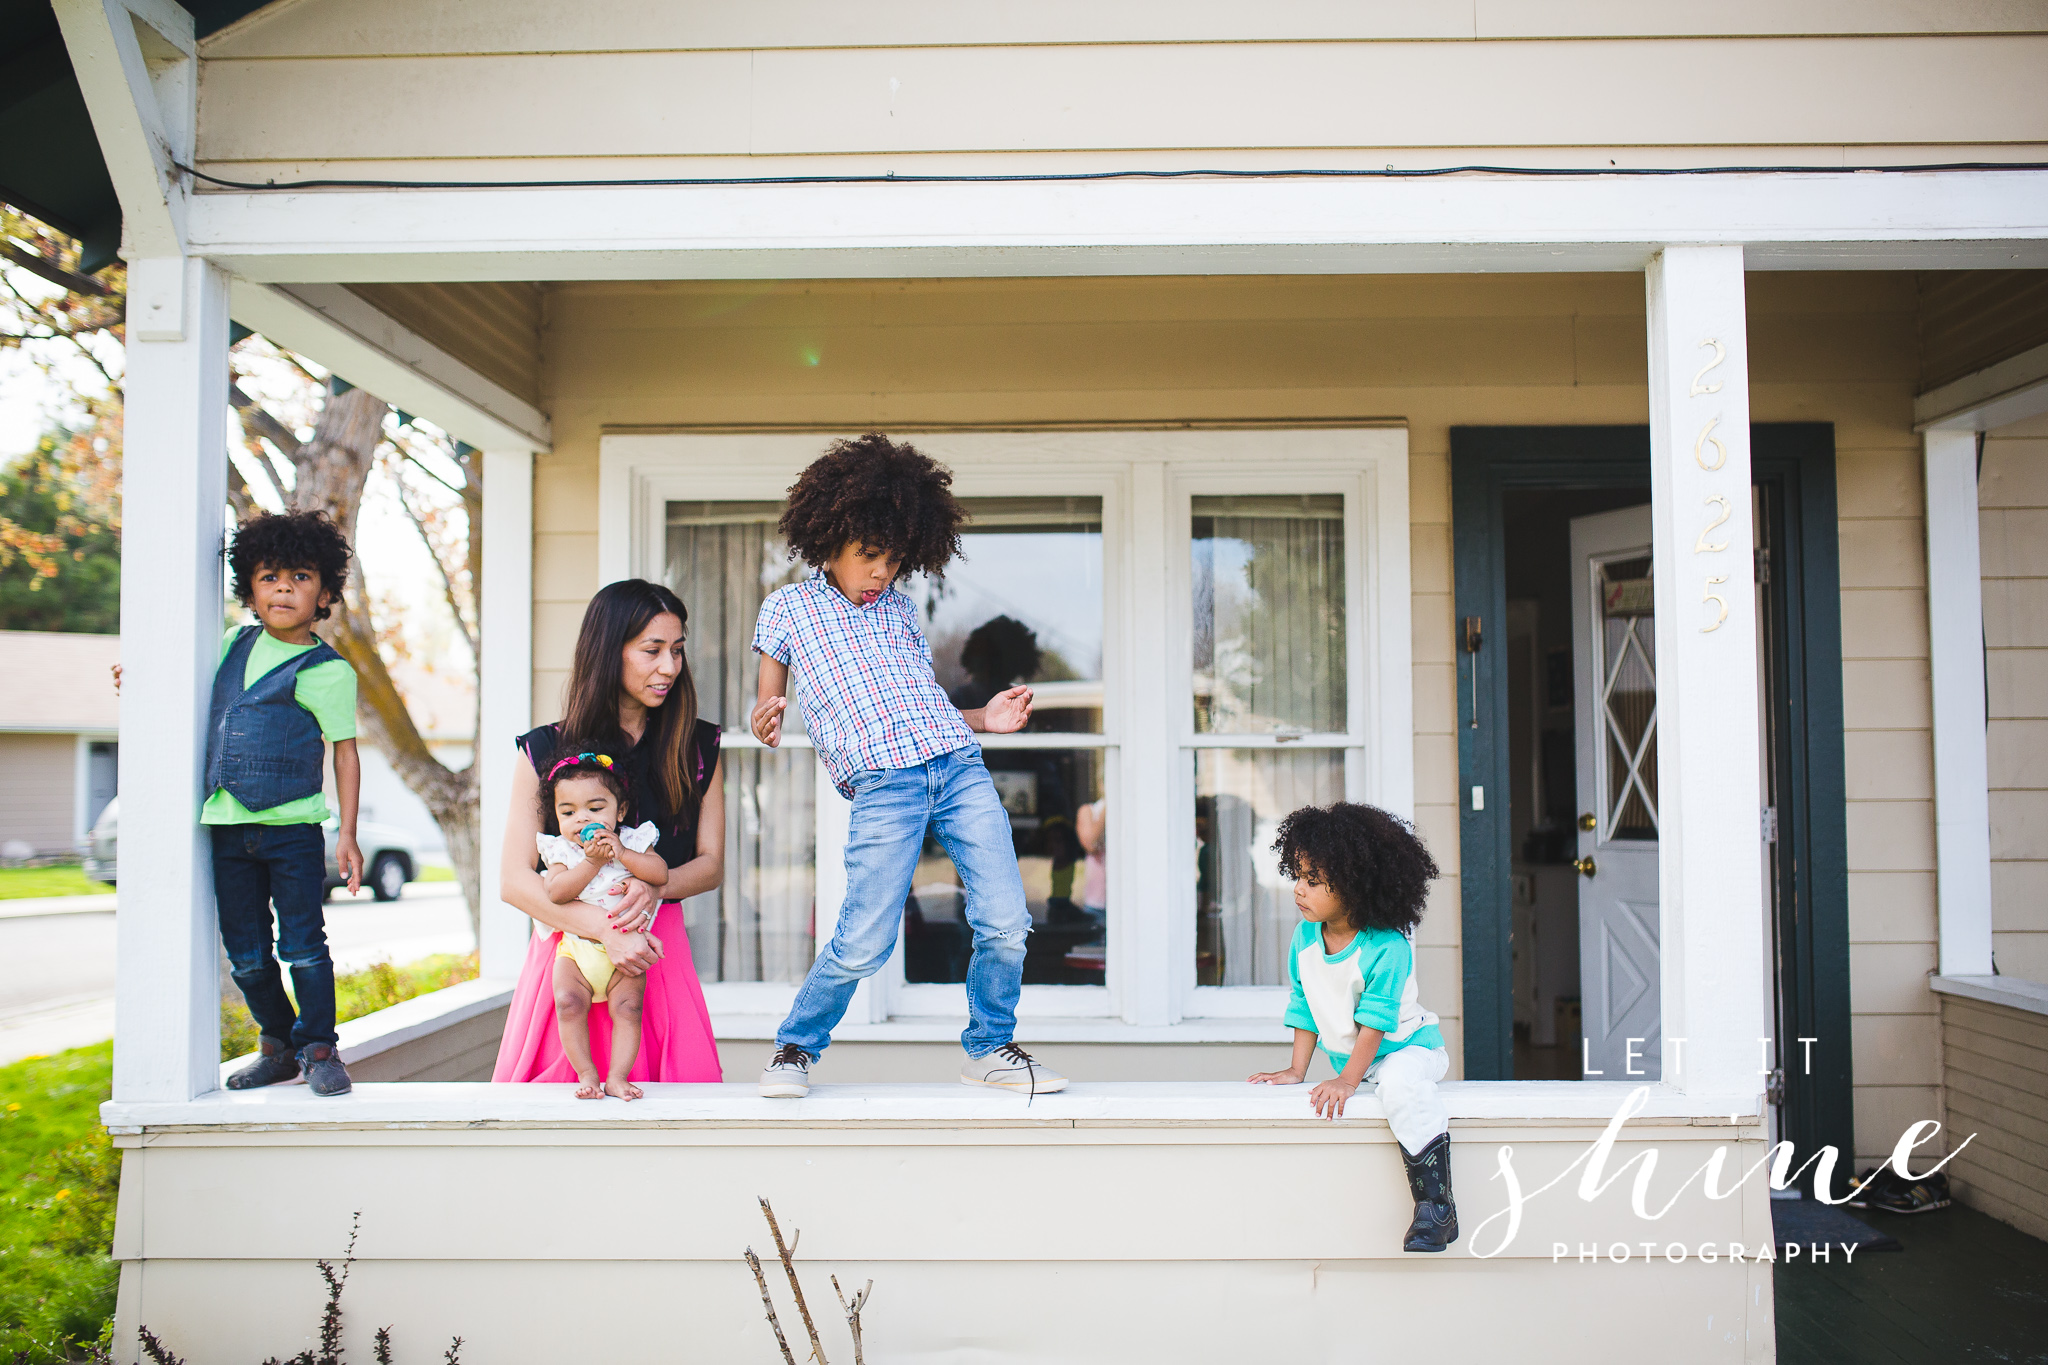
(409, 1020)
(941, 1105)
(744, 1028)
(2013, 992)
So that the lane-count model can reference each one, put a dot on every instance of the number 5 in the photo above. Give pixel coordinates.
(1711, 596)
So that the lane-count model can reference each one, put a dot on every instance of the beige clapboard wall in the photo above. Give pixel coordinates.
(520, 88)
(2013, 525)
(1433, 351)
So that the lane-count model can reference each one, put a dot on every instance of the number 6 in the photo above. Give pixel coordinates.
(1706, 438)
(1711, 596)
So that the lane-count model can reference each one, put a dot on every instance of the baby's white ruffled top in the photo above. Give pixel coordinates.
(561, 851)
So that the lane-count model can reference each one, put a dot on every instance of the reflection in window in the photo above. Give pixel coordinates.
(723, 559)
(1054, 800)
(1244, 908)
(1269, 641)
(1023, 604)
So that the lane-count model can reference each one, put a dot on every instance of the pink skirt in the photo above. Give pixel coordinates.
(675, 1033)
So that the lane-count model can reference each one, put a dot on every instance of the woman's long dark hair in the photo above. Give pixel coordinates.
(614, 619)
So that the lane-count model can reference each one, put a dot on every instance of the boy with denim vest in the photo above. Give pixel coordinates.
(865, 515)
(279, 692)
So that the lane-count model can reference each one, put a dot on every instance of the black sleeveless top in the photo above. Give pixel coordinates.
(678, 842)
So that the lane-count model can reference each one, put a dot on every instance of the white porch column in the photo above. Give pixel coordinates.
(1955, 644)
(1709, 790)
(174, 485)
(505, 690)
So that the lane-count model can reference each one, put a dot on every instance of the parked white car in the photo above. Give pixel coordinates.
(390, 856)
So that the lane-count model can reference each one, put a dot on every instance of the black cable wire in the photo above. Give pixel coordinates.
(1053, 177)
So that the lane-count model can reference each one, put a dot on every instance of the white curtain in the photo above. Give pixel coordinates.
(724, 558)
(1269, 643)
(1244, 907)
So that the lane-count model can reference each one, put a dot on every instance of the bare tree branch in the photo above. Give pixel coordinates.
(448, 593)
(852, 1311)
(754, 1263)
(787, 1251)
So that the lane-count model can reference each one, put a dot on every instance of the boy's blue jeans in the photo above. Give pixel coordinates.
(255, 866)
(891, 808)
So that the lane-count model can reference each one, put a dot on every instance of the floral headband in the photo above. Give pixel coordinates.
(577, 761)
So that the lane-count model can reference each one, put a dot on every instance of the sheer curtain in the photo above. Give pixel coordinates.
(1269, 614)
(723, 559)
(1269, 658)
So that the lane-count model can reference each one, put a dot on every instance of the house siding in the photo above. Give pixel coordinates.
(1995, 1074)
(1431, 350)
(37, 798)
(2013, 528)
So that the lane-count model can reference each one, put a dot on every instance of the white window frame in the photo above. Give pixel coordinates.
(1145, 479)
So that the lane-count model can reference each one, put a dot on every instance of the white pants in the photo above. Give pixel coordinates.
(1406, 1081)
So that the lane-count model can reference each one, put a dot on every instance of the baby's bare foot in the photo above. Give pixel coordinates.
(624, 1090)
(591, 1088)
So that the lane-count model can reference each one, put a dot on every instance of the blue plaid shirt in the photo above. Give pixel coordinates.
(864, 678)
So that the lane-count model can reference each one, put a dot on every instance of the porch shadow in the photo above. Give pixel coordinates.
(1967, 1287)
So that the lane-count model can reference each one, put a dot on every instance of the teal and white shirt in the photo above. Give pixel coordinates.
(1370, 984)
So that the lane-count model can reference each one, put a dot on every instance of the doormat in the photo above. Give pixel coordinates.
(1808, 1222)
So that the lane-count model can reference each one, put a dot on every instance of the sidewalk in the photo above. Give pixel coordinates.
(28, 906)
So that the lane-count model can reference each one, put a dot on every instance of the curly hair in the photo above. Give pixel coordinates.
(1372, 861)
(878, 493)
(289, 540)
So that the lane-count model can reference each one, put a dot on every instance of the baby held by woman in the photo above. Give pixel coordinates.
(590, 859)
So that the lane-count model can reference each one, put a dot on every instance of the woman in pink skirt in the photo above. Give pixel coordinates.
(630, 697)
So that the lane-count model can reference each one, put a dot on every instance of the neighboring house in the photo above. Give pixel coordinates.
(1618, 517)
(59, 726)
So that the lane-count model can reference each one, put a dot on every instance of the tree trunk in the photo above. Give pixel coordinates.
(331, 469)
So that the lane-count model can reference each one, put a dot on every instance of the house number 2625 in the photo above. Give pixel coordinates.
(1700, 443)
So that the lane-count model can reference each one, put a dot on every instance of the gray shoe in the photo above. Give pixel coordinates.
(788, 1074)
(1010, 1067)
(274, 1063)
(325, 1075)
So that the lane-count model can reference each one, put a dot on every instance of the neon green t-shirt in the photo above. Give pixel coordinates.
(327, 690)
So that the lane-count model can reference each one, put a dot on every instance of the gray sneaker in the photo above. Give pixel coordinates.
(788, 1074)
(1010, 1067)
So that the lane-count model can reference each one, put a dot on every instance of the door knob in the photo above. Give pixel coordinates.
(1585, 867)
(1588, 821)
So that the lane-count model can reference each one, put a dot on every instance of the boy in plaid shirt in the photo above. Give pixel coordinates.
(866, 515)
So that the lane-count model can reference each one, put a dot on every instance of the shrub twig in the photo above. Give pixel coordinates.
(787, 1251)
(754, 1264)
(852, 1311)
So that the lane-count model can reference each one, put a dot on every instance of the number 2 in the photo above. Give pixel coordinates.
(1703, 545)
(1720, 354)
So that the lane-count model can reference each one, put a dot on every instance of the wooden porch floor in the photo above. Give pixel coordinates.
(1966, 1287)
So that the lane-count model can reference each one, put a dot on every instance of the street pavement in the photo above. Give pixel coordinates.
(57, 960)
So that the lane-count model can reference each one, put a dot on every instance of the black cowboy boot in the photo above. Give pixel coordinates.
(274, 1063)
(1429, 1180)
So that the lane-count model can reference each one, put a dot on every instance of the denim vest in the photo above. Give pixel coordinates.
(261, 744)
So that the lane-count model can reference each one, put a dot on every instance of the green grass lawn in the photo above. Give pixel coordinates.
(19, 883)
(57, 1219)
(378, 986)
(435, 872)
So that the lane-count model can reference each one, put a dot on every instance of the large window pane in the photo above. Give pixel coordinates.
(758, 926)
(1023, 604)
(1054, 800)
(723, 559)
(1269, 641)
(1244, 909)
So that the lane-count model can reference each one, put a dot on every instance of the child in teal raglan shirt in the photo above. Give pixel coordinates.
(1360, 880)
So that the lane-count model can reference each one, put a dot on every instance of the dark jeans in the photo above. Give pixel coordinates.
(255, 866)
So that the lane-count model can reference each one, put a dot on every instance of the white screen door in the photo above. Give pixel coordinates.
(1615, 703)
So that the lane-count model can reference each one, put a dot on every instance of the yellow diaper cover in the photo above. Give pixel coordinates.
(590, 959)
